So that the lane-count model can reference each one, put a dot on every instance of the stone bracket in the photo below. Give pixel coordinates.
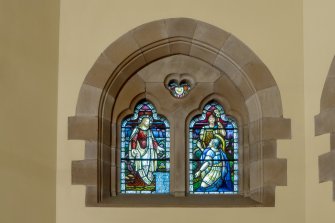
(83, 127)
(84, 172)
(275, 172)
(327, 167)
(325, 122)
(276, 128)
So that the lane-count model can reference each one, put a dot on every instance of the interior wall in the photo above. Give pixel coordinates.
(271, 28)
(319, 50)
(28, 111)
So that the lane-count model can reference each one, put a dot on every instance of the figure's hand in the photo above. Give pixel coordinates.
(197, 174)
(134, 152)
(200, 146)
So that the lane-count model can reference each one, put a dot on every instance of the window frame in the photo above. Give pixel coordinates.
(194, 39)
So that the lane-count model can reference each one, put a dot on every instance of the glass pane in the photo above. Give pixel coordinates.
(145, 152)
(179, 90)
(213, 152)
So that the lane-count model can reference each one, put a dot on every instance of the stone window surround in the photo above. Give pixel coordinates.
(153, 41)
(325, 123)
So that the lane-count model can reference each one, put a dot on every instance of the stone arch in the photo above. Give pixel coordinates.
(193, 39)
(325, 123)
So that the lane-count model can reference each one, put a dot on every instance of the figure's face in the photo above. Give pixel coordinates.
(212, 144)
(146, 122)
(211, 119)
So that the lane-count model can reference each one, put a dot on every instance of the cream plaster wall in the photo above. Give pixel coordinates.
(28, 111)
(271, 28)
(28, 89)
(319, 50)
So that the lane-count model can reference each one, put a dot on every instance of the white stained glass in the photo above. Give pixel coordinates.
(123, 186)
(191, 167)
(167, 165)
(191, 187)
(235, 146)
(192, 123)
(167, 144)
(123, 175)
(235, 188)
(235, 155)
(168, 135)
(123, 165)
(123, 154)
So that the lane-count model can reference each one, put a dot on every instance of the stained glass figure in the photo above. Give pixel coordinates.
(145, 152)
(213, 152)
(179, 90)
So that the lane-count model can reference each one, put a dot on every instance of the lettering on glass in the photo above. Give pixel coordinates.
(213, 152)
(145, 152)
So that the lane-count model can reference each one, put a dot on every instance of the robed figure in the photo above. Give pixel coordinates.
(215, 169)
(144, 149)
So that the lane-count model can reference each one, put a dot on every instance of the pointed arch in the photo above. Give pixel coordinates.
(201, 42)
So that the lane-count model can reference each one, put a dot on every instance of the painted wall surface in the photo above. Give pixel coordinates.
(271, 28)
(319, 50)
(28, 111)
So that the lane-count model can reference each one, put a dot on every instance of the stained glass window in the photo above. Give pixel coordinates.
(145, 152)
(179, 90)
(213, 152)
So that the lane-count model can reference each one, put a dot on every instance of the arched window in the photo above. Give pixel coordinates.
(176, 75)
(145, 152)
(213, 152)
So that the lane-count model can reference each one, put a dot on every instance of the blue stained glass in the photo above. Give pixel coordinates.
(213, 152)
(145, 156)
(162, 182)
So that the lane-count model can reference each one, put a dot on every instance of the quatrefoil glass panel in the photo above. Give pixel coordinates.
(179, 89)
